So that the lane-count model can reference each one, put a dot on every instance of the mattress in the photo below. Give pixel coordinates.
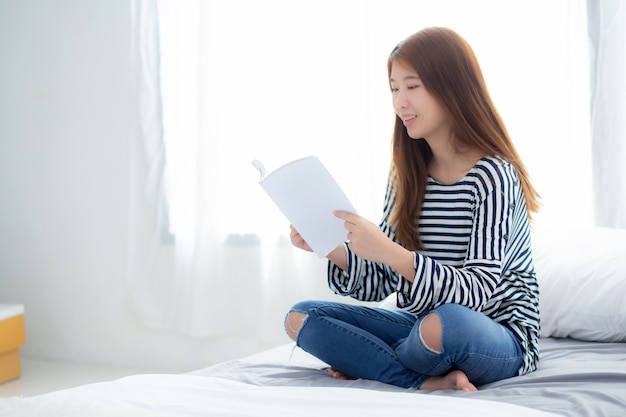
(582, 368)
(575, 378)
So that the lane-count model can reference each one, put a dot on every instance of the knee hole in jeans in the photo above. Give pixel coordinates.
(293, 323)
(430, 332)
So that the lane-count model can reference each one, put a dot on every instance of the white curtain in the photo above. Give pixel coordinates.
(279, 79)
(148, 217)
(607, 34)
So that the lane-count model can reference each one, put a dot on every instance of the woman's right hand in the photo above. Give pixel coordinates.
(337, 256)
(297, 240)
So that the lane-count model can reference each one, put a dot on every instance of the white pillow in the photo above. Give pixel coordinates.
(582, 283)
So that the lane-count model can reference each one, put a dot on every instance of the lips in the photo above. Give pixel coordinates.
(408, 120)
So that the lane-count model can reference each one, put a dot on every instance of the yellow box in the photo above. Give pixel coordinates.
(12, 336)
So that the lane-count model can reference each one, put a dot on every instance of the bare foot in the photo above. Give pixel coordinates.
(338, 374)
(456, 380)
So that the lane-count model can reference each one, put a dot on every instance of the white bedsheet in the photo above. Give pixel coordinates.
(577, 379)
(574, 379)
(196, 395)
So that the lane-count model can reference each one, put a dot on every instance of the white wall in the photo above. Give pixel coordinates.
(64, 174)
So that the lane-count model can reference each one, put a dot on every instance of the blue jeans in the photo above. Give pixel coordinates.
(386, 346)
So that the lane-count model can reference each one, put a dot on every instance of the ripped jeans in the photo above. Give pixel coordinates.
(386, 346)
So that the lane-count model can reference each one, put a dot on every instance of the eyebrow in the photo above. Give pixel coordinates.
(408, 77)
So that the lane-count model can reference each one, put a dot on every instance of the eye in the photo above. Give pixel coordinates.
(413, 87)
(394, 89)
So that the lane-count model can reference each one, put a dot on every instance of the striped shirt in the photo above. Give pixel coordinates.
(477, 254)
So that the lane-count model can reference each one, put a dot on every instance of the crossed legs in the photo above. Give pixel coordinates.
(430, 333)
(396, 348)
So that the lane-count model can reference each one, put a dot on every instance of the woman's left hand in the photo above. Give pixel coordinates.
(366, 239)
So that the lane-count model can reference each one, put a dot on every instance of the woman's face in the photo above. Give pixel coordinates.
(420, 113)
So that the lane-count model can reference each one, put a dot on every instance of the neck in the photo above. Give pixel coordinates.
(449, 165)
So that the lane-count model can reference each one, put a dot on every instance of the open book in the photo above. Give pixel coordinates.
(307, 195)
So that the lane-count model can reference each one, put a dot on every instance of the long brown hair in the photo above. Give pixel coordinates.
(449, 70)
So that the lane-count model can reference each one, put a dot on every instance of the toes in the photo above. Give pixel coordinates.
(338, 374)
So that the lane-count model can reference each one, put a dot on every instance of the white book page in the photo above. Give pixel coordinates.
(307, 195)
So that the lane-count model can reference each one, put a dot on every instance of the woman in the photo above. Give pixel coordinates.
(454, 241)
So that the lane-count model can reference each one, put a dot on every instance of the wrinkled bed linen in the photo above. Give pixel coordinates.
(574, 379)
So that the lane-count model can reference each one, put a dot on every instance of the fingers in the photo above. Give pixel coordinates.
(350, 220)
(346, 215)
(294, 236)
(294, 233)
(297, 240)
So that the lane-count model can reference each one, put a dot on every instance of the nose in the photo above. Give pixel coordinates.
(399, 100)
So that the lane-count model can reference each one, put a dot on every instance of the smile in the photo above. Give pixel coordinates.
(408, 120)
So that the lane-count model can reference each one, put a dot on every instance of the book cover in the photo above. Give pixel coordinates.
(307, 194)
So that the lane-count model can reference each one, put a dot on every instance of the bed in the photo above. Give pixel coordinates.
(582, 371)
